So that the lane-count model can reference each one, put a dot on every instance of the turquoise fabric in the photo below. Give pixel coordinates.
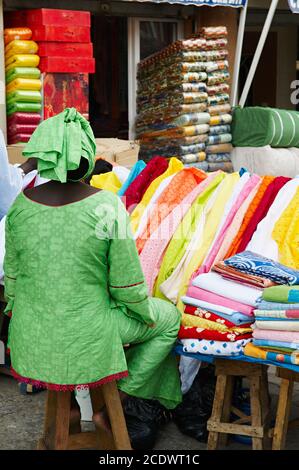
(135, 171)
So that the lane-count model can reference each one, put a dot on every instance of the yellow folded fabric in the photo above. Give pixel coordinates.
(253, 351)
(33, 84)
(21, 60)
(108, 181)
(194, 321)
(19, 46)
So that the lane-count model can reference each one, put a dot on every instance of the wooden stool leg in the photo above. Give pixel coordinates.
(256, 411)
(266, 408)
(217, 411)
(47, 440)
(227, 405)
(116, 416)
(62, 420)
(283, 413)
(105, 439)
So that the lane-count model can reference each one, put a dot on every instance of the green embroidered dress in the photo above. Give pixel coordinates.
(77, 293)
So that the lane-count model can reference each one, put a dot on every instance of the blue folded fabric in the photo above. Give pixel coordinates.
(275, 344)
(135, 171)
(211, 359)
(264, 305)
(252, 263)
(237, 318)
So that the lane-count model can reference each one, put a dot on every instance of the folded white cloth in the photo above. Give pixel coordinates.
(276, 325)
(214, 348)
(213, 282)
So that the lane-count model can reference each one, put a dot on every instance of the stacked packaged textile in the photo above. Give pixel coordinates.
(218, 145)
(23, 84)
(217, 316)
(173, 101)
(276, 328)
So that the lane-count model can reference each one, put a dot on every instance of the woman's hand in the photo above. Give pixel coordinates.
(152, 325)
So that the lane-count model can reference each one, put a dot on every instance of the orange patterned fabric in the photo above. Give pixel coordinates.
(181, 185)
(267, 180)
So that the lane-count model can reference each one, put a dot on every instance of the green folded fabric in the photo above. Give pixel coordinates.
(22, 72)
(257, 127)
(59, 142)
(282, 294)
(23, 107)
(28, 96)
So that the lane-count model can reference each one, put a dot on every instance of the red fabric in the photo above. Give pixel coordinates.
(68, 388)
(262, 209)
(199, 312)
(193, 332)
(155, 167)
(31, 184)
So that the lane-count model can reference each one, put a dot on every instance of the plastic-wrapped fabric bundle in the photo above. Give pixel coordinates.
(23, 84)
(194, 157)
(218, 157)
(219, 139)
(177, 87)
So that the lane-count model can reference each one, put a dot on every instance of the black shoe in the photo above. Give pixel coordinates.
(143, 418)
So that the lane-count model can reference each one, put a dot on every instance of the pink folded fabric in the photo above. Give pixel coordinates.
(207, 264)
(201, 294)
(284, 336)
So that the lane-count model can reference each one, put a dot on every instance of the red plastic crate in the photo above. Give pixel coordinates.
(67, 64)
(65, 49)
(61, 33)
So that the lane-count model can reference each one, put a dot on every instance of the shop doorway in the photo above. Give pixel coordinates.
(145, 37)
(119, 44)
(108, 105)
(264, 86)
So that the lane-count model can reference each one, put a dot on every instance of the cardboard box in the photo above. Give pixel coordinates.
(15, 153)
(67, 64)
(61, 33)
(50, 16)
(122, 152)
(65, 49)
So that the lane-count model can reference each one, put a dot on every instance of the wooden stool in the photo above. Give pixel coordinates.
(288, 377)
(62, 433)
(219, 425)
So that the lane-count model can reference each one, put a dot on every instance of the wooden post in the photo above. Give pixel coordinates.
(221, 16)
(2, 76)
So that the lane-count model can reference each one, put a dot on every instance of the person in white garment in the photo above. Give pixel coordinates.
(13, 180)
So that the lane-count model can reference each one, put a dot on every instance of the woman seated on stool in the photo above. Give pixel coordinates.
(74, 283)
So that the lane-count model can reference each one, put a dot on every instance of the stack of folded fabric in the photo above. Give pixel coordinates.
(276, 328)
(172, 102)
(218, 315)
(23, 84)
(276, 332)
(218, 145)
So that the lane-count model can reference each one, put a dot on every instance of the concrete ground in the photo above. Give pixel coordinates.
(21, 420)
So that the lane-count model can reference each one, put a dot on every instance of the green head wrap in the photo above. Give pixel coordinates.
(59, 143)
